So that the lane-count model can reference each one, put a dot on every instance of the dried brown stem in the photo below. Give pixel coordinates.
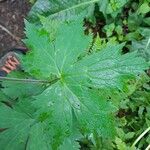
(10, 33)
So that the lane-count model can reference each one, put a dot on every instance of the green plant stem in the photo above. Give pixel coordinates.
(8, 32)
(28, 80)
(98, 140)
(148, 43)
(148, 147)
(141, 136)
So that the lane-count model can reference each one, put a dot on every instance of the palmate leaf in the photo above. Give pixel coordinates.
(64, 9)
(27, 130)
(56, 55)
(103, 69)
(74, 101)
(144, 45)
(71, 9)
(107, 68)
(23, 131)
(92, 111)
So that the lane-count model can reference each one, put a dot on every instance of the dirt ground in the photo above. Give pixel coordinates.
(12, 14)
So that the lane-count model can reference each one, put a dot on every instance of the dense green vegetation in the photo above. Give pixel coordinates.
(85, 83)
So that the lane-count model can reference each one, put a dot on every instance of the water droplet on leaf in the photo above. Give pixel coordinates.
(50, 103)
(58, 91)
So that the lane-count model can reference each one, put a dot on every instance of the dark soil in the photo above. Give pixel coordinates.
(12, 14)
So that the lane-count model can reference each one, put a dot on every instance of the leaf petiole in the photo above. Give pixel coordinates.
(29, 80)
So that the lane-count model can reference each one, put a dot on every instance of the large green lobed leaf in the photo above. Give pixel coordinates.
(73, 103)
